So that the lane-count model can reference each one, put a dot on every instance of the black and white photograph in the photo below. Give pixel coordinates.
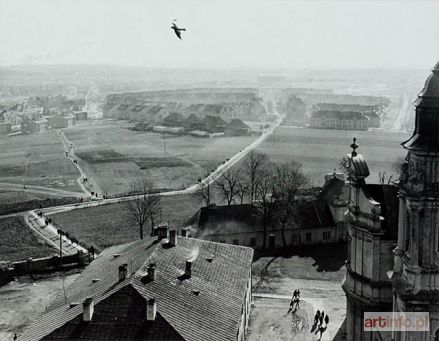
(219, 170)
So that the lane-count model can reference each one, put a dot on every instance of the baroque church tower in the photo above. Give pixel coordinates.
(415, 278)
(372, 221)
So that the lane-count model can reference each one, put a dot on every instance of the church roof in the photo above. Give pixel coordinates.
(425, 137)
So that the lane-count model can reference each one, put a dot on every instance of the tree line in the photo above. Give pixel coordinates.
(271, 187)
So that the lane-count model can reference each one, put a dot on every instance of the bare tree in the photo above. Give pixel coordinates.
(146, 204)
(288, 180)
(242, 190)
(228, 185)
(253, 165)
(204, 191)
(264, 200)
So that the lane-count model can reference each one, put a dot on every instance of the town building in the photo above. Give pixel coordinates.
(343, 120)
(236, 128)
(174, 119)
(213, 124)
(61, 120)
(167, 287)
(318, 221)
(192, 122)
(373, 112)
(393, 255)
(31, 125)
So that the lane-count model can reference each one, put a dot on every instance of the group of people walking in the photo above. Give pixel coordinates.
(319, 319)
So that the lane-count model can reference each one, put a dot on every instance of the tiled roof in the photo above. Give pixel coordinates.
(220, 273)
(222, 220)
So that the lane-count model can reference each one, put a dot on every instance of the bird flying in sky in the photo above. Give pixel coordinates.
(176, 29)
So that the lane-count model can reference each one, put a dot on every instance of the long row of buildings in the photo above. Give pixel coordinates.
(346, 116)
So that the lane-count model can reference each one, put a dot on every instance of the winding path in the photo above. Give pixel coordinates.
(49, 232)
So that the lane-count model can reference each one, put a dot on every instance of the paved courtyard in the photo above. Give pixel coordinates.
(319, 281)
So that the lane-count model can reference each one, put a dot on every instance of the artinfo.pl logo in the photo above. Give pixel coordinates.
(396, 321)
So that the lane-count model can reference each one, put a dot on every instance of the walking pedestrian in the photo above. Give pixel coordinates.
(320, 320)
(316, 317)
(326, 319)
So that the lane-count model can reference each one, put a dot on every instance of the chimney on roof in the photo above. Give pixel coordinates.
(188, 269)
(151, 272)
(172, 237)
(162, 231)
(88, 309)
(123, 272)
(151, 309)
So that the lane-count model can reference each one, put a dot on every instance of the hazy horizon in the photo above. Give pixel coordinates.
(262, 34)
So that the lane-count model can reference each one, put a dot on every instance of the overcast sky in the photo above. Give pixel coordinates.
(256, 33)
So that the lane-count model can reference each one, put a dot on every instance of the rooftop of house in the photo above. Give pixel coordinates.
(207, 305)
(192, 118)
(236, 123)
(214, 121)
(237, 219)
(174, 117)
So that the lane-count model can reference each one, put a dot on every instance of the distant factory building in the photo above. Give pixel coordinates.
(236, 128)
(167, 287)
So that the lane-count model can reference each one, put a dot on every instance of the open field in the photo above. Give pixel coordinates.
(107, 225)
(18, 242)
(113, 155)
(25, 299)
(11, 197)
(320, 151)
(37, 159)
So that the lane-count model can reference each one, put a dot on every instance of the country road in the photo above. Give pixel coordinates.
(190, 190)
(50, 233)
(69, 149)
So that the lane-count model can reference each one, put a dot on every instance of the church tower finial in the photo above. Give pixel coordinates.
(354, 146)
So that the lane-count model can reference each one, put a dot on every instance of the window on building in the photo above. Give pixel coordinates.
(235, 241)
(252, 241)
(308, 236)
(326, 235)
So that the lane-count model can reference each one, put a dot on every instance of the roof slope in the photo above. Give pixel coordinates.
(220, 272)
(223, 220)
(237, 124)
